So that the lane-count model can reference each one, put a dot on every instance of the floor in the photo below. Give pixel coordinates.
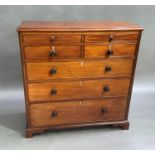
(141, 134)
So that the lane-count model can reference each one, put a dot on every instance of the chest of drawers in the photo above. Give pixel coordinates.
(77, 74)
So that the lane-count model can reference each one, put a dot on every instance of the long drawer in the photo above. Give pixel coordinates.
(75, 112)
(78, 69)
(78, 89)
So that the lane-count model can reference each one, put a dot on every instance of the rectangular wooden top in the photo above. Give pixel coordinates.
(77, 26)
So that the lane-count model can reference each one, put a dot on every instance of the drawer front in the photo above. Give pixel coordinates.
(102, 51)
(48, 38)
(79, 69)
(78, 89)
(76, 112)
(112, 37)
(52, 52)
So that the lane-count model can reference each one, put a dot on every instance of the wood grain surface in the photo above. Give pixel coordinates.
(78, 89)
(78, 69)
(75, 112)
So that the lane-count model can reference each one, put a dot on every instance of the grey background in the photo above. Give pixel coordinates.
(12, 112)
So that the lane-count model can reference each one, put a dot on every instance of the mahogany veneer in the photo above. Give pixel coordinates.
(77, 74)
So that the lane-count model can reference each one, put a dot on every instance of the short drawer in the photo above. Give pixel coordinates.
(78, 69)
(112, 37)
(78, 89)
(103, 51)
(49, 38)
(77, 112)
(51, 52)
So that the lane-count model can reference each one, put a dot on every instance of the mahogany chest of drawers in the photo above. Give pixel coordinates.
(77, 74)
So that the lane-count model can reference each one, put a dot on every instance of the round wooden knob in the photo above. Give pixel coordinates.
(106, 89)
(52, 38)
(52, 53)
(111, 38)
(108, 69)
(104, 110)
(53, 71)
(54, 113)
(53, 92)
(109, 52)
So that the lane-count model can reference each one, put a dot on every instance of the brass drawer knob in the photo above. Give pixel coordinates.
(108, 68)
(53, 92)
(54, 113)
(52, 52)
(106, 89)
(53, 71)
(104, 110)
(109, 52)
